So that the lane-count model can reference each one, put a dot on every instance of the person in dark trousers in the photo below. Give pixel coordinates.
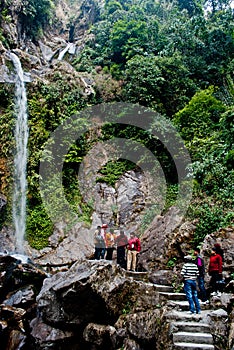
(110, 244)
(201, 283)
(190, 273)
(99, 243)
(215, 271)
(121, 242)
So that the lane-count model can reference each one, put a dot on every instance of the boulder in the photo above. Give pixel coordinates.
(101, 290)
(101, 305)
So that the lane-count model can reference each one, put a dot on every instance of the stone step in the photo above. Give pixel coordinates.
(138, 276)
(172, 296)
(195, 338)
(190, 346)
(184, 305)
(164, 289)
(190, 327)
(175, 315)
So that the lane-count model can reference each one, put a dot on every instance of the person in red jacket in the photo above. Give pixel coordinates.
(134, 247)
(215, 271)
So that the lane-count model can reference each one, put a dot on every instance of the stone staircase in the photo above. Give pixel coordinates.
(189, 332)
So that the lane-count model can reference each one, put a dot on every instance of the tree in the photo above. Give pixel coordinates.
(34, 15)
(200, 117)
(217, 5)
(159, 82)
(193, 7)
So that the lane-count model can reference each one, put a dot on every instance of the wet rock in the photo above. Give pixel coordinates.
(22, 297)
(103, 336)
(15, 275)
(12, 335)
(44, 335)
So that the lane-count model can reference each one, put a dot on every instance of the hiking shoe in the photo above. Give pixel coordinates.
(219, 294)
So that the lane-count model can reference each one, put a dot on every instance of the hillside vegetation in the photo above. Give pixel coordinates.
(175, 57)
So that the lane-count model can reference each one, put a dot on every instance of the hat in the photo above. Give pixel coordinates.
(188, 257)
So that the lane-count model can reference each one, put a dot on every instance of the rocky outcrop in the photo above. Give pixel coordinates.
(159, 240)
(225, 237)
(120, 205)
(99, 303)
(20, 282)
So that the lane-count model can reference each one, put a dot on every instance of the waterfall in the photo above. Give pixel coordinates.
(20, 158)
(62, 53)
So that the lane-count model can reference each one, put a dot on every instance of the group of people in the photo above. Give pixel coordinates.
(106, 241)
(193, 271)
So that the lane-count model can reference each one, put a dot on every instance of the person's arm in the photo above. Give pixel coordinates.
(183, 271)
(138, 245)
(197, 271)
(220, 264)
(199, 262)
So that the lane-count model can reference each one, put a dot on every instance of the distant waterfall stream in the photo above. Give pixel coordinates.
(20, 157)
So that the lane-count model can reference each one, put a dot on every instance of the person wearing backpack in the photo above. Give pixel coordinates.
(201, 268)
(133, 247)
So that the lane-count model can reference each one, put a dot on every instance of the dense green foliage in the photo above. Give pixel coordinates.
(171, 56)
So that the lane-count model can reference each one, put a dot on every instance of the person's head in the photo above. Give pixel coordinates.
(132, 234)
(111, 230)
(218, 248)
(188, 258)
(213, 250)
(197, 251)
(99, 227)
(217, 245)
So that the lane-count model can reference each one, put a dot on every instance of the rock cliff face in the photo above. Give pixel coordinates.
(41, 59)
(66, 36)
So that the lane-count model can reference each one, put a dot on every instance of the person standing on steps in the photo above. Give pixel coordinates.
(121, 242)
(134, 247)
(190, 273)
(201, 283)
(103, 234)
(219, 251)
(99, 243)
(110, 244)
(215, 271)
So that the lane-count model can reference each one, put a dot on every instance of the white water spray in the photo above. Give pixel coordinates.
(20, 159)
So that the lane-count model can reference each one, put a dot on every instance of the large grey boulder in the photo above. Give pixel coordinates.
(101, 306)
(93, 291)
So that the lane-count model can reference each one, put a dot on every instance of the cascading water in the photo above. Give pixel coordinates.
(20, 158)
